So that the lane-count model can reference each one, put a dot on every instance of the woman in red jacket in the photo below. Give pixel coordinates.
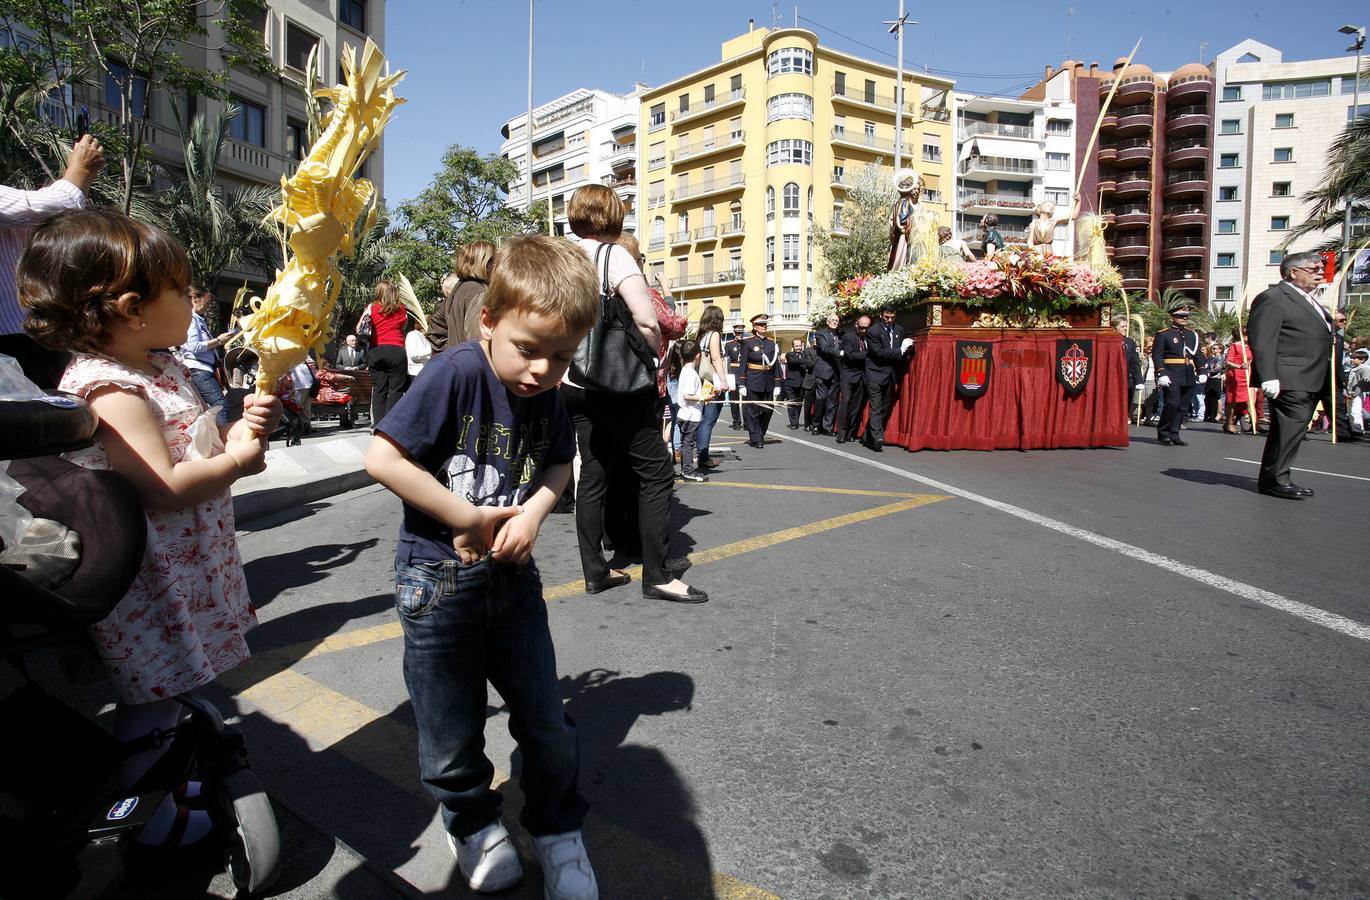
(389, 369)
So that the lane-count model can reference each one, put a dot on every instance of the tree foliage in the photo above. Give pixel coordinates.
(462, 204)
(866, 248)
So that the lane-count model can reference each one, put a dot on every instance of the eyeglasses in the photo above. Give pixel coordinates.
(1312, 270)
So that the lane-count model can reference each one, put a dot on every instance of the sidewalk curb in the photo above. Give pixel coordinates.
(264, 502)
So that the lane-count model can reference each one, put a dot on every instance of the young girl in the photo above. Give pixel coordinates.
(112, 291)
(692, 400)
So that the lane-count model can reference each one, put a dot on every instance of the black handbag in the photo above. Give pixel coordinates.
(614, 357)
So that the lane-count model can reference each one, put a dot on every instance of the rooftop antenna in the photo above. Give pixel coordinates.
(1070, 14)
(1203, 45)
(775, 15)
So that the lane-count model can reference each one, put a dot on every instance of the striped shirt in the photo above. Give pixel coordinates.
(20, 212)
(196, 352)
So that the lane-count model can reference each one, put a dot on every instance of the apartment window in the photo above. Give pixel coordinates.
(657, 117)
(1284, 120)
(1348, 84)
(682, 183)
(1227, 226)
(837, 217)
(1058, 162)
(1355, 112)
(575, 173)
(839, 173)
(1227, 261)
(770, 253)
(708, 261)
(1229, 160)
(1059, 198)
(791, 248)
(1276, 257)
(779, 153)
(789, 198)
(1227, 192)
(1058, 126)
(770, 301)
(1282, 189)
(117, 77)
(1284, 154)
(684, 103)
(1223, 293)
(656, 192)
(869, 132)
(298, 45)
(1232, 126)
(708, 95)
(839, 126)
(808, 251)
(789, 298)
(658, 232)
(789, 59)
(1232, 92)
(809, 204)
(770, 203)
(708, 217)
(1279, 223)
(869, 95)
(932, 195)
(933, 152)
(839, 84)
(1297, 90)
(296, 139)
(735, 85)
(352, 13)
(735, 262)
(735, 211)
(249, 125)
(789, 106)
(682, 267)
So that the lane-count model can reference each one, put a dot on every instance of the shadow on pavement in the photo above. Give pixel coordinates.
(269, 576)
(1204, 476)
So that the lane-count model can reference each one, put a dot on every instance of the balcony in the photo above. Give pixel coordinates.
(1132, 246)
(868, 142)
(680, 237)
(1187, 150)
(1192, 87)
(1137, 181)
(790, 320)
(1136, 123)
(718, 185)
(1131, 90)
(707, 233)
(726, 277)
(994, 129)
(655, 200)
(656, 243)
(1132, 216)
(1183, 278)
(1186, 247)
(995, 202)
(977, 238)
(1178, 215)
(620, 183)
(622, 155)
(706, 107)
(841, 180)
(1134, 277)
(1185, 181)
(936, 113)
(656, 162)
(1108, 184)
(1108, 153)
(1133, 150)
(709, 145)
(868, 100)
(1185, 119)
(257, 163)
(731, 229)
(991, 166)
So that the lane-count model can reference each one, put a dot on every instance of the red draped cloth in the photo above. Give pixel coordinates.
(1024, 408)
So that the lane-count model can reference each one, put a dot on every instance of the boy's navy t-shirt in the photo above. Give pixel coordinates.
(488, 446)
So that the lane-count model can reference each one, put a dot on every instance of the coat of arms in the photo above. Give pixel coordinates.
(1073, 362)
(973, 362)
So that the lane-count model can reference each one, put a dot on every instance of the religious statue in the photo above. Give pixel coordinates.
(1089, 243)
(913, 227)
(1042, 231)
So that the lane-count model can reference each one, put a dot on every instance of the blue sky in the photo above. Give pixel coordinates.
(468, 59)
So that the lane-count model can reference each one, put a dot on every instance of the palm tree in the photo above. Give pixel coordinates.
(220, 228)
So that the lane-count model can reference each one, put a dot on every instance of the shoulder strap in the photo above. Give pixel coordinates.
(605, 249)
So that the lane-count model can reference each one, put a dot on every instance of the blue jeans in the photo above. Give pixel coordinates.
(464, 625)
(207, 386)
(712, 410)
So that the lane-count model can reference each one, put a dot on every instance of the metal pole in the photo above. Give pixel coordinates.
(1345, 297)
(899, 93)
(528, 125)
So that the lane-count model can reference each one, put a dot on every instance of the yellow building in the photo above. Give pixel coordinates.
(739, 161)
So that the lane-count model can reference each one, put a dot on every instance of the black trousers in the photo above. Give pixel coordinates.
(1290, 414)
(809, 412)
(389, 379)
(794, 396)
(849, 405)
(881, 396)
(1177, 400)
(734, 408)
(757, 417)
(825, 403)
(614, 433)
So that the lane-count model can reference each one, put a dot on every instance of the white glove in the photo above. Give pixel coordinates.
(1163, 381)
(904, 347)
(775, 394)
(1271, 388)
(1203, 378)
(742, 391)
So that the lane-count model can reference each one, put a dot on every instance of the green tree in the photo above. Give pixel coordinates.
(463, 204)
(865, 249)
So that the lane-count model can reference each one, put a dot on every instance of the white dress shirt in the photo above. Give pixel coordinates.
(20, 213)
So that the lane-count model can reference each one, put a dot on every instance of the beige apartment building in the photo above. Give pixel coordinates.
(738, 162)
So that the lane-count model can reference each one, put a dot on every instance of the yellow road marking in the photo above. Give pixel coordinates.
(804, 488)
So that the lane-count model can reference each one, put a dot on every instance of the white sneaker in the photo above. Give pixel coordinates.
(566, 872)
(487, 859)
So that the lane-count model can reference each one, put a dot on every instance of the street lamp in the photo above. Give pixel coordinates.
(1358, 44)
(897, 28)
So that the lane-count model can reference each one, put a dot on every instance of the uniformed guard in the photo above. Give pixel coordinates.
(760, 365)
(732, 351)
(1175, 355)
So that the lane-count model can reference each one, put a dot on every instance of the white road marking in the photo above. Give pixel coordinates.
(1339, 624)
(1256, 462)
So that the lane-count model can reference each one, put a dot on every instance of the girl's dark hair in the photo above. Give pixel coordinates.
(387, 296)
(78, 263)
(711, 319)
(673, 360)
(990, 220)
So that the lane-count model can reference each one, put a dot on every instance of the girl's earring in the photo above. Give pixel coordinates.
(142, 323)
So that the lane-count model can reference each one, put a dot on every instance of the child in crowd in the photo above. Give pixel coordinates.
(112, 291)
(1358, 388)
(479, 450)
(691, 412)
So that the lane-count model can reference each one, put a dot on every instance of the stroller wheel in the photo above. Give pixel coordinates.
(254, 854)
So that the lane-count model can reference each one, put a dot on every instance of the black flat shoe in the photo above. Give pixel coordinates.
(691, 595)
(1301, 491)
(1283, 491)
(613, 581)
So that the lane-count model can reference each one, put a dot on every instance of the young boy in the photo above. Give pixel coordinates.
(479, 450)
(1357, 389)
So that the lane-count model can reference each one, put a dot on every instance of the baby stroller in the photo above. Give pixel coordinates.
(62, 831)
(334, 399)
(292, 414)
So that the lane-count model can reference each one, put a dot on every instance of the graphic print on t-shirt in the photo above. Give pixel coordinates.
(493, 467)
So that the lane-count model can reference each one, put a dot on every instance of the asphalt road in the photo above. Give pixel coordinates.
(1109, 673)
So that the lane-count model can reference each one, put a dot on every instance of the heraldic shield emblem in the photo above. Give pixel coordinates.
(973, 362)
(1074, 359)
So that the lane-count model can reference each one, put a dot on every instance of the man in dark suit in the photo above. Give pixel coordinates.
(797, 367)
(1175, 355)
(350, 356)
(760, 366)
(1134, 363)
(851, 355)
(885, 348)
(732, 355)
(1291, 347)
(825, 368)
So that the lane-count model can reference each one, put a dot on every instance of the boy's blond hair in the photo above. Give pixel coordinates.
(548, 276)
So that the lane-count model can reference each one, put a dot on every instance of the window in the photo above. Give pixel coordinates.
(1282, 189)
(770, 253)
(770, 203)
(658, 232)
(809, 205)
(837, 217)
(839, 126)
(770, 301)
(789, 297)
(789, 59)
(708, 95)
(708, 261)
(657, 117)
(1228, 192)
(1232, 92)
(656, 155)
(684, 103)
(1232, 126)
(1223, 293)
(1276, 257)
(808, 251)
(1348, 84)
(656, 193)
(708, 217)
(779, 153)
(249, 125)
(789, 199)
(682, 221)
(735, 85)
(1284, 154)
(933, 153)
(682, 267)
(352, 13)
(1059, 198)
(1227, 260)
(296, 139)
(791, 248)
(932, 195)
(116, 80)
(1297, 90)
(1279, 223)
(1058, 126)
(1229, 160)
(1227, 226)
(735, 263)
(735, 212)
(1354, 113)
(1284, 120)
(839, 173)
(869, 132)
(839, 84)
(298, 45)
(1058, 162)
(789, 106)
(869, 95)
